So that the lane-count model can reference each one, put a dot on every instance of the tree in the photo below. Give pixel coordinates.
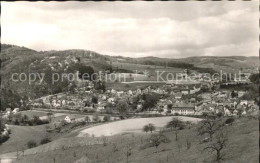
(176, 125)
(234, 94)
(209, 126)
(31, 144)
(50, 116)
(95, 118)
(2, 124)
(218, 145)
(146, 128)
(157, 139)
(150, 100)
(94, 100)
(122, 107)
(128, 152)
(230, 120)
(107, 118)
(84, 72)
(151, 127)
(87, 119)
(99, 85)
(169, 108)
(45, 140)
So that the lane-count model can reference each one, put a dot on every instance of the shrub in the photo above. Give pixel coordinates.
(3, 138)
(31, 144)
(229, 120)
(176, 114)
(107, 118)
(45, 140)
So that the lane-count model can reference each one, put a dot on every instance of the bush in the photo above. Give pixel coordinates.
(229, 120)
(107, 118)
(3, 138)
(31, 144)
(45, 140)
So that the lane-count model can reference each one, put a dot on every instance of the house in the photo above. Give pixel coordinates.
(203, 109)
(178, 95)
(227, 112)
(206, 96)
(111, 100)
(120, 93)
(67, 119)
(139, 106)
(16, 110)
(240, 93)
(100, 107)
(219, 109)
(183, 108)
(113, 91)
(185, 91)
(138, 91)
(130, 92)
(243, 102)
(250, 102)
(8, 111)
(235, 112)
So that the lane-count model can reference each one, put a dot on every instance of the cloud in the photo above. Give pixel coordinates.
(135, 29)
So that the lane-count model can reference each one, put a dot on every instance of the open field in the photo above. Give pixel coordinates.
(129, 126)
(130, 86)
(151, 69)
(242, 146)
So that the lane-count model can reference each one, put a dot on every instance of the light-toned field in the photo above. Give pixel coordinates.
(153, 70)
(130, 86)
(130, 125)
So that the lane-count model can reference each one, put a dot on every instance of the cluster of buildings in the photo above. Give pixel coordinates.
(206, 103)
(181, 99)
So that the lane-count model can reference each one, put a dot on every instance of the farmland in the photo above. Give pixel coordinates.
(152, 70)
(129, 126)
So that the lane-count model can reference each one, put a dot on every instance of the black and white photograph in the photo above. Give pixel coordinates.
(129, 82)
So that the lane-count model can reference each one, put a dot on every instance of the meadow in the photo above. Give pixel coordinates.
(134, 125)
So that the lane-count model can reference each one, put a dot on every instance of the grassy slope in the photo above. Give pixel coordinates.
(20, 135)
(242, 147)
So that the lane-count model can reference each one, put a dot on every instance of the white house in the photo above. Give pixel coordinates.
(67, 119)
(226, 112)
(243, 102)
(183, 108)
(16, 110)
(111, 100)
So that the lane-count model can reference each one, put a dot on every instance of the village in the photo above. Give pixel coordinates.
(187, 98)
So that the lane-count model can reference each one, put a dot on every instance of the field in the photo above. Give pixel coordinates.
(129, 86)
(152, 70)
(31, 113)
(242, 146)
(129, 125)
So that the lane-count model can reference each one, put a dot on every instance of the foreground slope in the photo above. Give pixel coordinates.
(242, 147)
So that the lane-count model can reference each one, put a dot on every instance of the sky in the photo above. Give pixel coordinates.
(135, 29)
